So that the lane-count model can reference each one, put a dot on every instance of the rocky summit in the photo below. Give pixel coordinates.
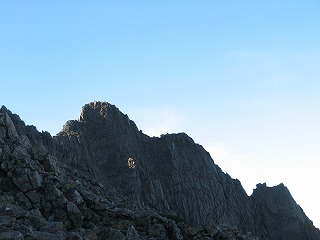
(102, 178)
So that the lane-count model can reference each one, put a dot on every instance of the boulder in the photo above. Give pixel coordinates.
(11, 235)
(132, 234)
(74, 214)
(35, 179)
(23, 183)
(53, 227)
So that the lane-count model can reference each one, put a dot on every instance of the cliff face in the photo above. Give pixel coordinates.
(43, 198)
(172, 174)
(278, 216)
(153, 188)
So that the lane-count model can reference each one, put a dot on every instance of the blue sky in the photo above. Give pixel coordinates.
(242, 78)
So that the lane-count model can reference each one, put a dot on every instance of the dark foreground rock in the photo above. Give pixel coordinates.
(101, 178)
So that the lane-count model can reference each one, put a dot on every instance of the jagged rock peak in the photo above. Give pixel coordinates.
(3, 109)
(274, 207)
(278, 189)
(97, 110)
(100, 118)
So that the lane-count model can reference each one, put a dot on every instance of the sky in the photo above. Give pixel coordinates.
(242, 78)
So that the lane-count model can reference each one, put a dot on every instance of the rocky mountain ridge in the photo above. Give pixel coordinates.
(102, 178)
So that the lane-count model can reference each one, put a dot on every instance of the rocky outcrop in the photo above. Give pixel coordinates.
(278, 216)
(41, 198)
(102, 178)
(172, 174)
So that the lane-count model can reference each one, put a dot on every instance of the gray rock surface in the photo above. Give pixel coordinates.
(102, 178)
(11, 235)
(279, 216)
(171, 173)
(42, 199)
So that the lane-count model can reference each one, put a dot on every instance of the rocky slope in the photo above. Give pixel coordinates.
(102, 178)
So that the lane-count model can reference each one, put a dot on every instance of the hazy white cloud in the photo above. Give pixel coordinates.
(234, 163)
(298, 173)
(275, 68)
(221, 153)
(157, 121)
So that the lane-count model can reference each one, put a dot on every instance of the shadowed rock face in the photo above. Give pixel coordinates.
(171, 174)
(50, 186)
(42, 198)
(278, 216)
